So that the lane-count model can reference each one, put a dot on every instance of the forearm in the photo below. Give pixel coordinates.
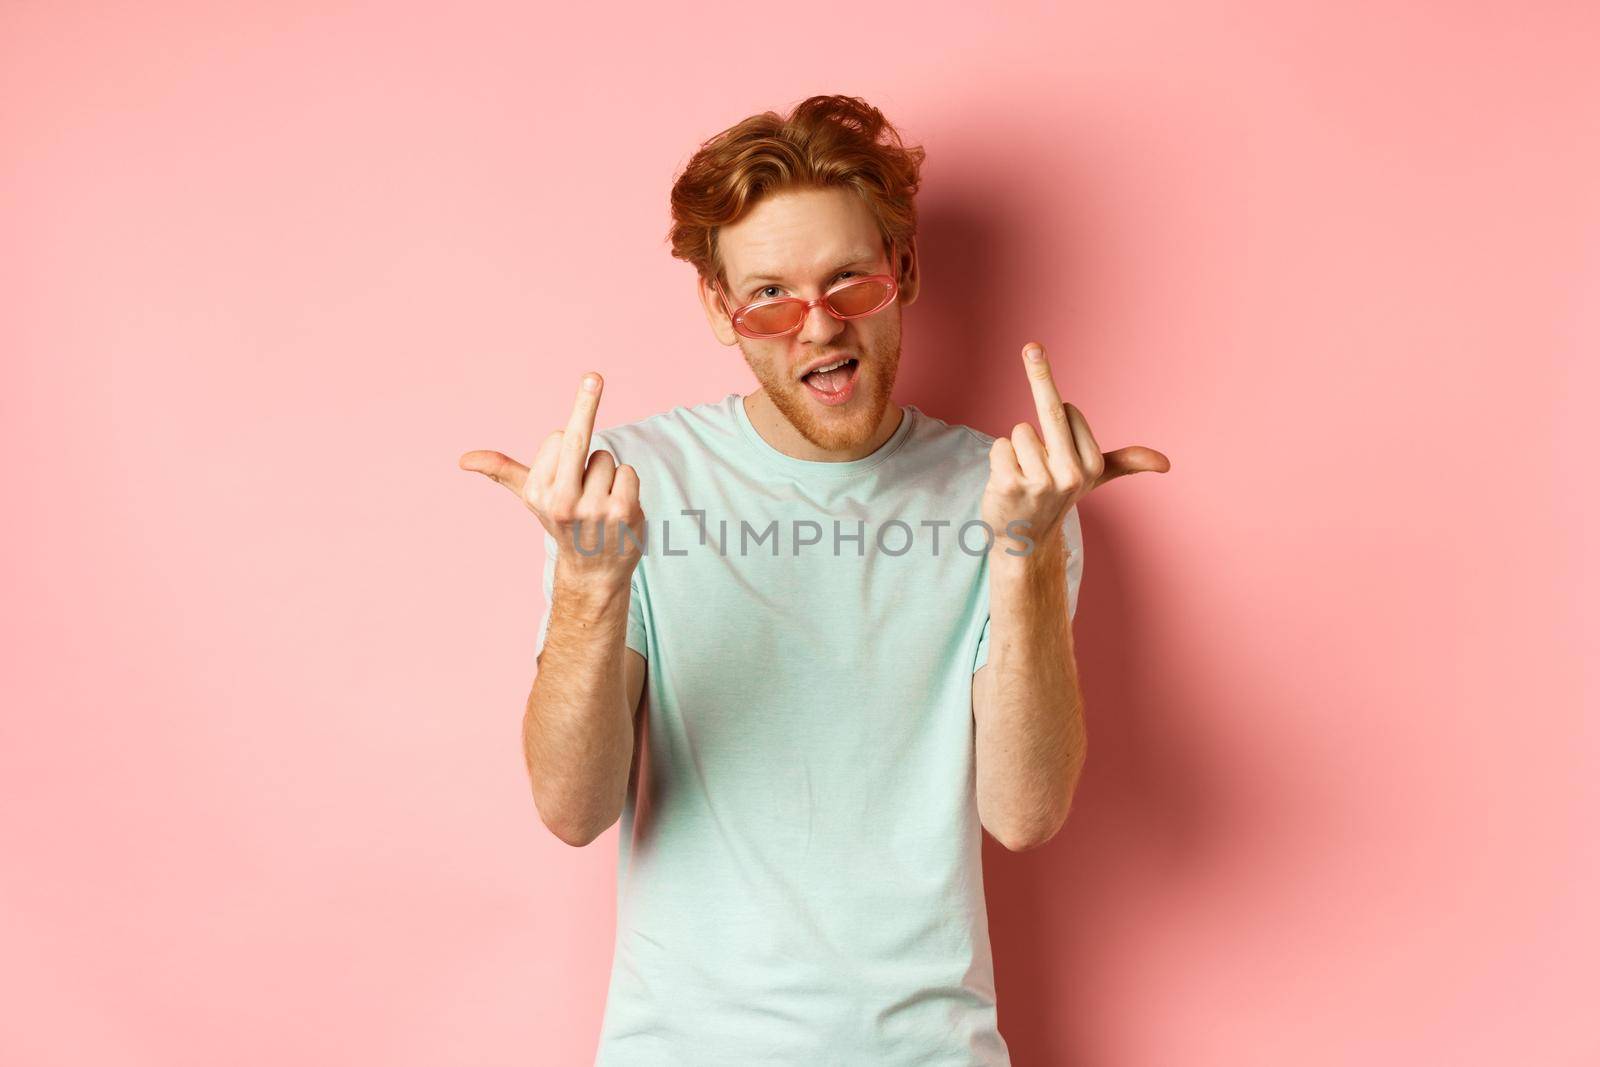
(577, 733)
(1031, 737)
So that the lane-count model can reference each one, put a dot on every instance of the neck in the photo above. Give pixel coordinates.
(778, 432)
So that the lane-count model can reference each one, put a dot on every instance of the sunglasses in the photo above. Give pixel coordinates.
(781, 316)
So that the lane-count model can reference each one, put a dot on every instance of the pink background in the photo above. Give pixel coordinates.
(268, 271)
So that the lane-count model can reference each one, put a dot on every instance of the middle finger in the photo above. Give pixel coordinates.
(575, 442)
(1052, 414)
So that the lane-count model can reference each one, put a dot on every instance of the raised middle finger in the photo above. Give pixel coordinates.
(575, 441)
(1052, 413)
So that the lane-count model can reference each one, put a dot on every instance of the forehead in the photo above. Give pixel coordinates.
(797, 234)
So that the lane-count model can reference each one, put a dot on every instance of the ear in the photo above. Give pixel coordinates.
(910, 278)
(711, 304)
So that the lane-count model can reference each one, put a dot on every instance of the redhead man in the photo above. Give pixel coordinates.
(806, 644)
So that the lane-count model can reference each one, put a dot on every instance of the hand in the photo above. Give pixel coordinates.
(1038, 481)
(581, 505)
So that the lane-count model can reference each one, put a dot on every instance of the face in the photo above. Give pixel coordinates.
(800, 243)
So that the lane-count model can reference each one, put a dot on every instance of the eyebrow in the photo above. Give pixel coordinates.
(856, 259)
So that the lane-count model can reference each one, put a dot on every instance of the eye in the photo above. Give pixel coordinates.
(761, 294)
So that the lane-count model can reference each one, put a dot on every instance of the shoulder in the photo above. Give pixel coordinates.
(938, 445)
(954, 438)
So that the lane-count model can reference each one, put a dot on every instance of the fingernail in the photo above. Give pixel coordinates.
(1035, 353)
(590, 383)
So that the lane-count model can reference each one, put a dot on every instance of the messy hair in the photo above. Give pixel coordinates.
(826, 141)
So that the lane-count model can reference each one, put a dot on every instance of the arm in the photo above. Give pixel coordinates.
(1027, 702)
(578, 736)
(578, 731)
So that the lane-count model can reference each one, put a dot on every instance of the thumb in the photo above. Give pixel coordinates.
(1132, 460)
(496, 465)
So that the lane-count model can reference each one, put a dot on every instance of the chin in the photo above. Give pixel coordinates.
(849, 425)
(834, 428)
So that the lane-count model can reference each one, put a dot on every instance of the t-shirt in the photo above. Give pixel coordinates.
(799, 874)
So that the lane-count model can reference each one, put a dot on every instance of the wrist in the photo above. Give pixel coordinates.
(1011, 561)
(591, 593)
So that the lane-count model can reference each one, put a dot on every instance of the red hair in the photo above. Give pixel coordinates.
(826, 141)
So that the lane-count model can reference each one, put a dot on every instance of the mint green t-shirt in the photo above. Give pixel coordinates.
(799, 874)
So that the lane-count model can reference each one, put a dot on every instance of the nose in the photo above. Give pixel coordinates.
(820, 327)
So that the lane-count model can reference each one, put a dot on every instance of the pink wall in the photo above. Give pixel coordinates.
(268, 272)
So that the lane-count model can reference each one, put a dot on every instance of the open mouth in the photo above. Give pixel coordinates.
(833, 384)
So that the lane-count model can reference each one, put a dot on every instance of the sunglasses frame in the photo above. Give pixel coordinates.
(738, 317)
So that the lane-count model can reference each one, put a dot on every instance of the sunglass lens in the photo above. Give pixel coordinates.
(774, 318)
(859, 298)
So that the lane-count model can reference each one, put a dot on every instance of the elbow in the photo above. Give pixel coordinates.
(1026, 839)
(576, 832)
(572, 826)
(575, 836)
(1024, 835)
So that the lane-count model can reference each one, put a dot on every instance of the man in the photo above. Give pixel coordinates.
(851, 621)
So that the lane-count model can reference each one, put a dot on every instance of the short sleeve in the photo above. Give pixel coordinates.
(635, 638)
(1072, 541)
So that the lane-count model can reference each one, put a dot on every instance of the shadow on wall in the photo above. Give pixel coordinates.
(1149, 824)
(1149, 816)
(952, 330)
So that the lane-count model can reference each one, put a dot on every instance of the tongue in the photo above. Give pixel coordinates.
(830, 381)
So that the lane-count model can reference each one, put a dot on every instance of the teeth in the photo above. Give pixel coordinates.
(831, 366)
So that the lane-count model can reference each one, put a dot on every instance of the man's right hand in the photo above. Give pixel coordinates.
(578, 502)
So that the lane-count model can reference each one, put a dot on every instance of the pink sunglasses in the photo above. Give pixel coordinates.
(781, 316)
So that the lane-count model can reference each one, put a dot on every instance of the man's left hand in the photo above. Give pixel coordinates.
(1034, 482)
